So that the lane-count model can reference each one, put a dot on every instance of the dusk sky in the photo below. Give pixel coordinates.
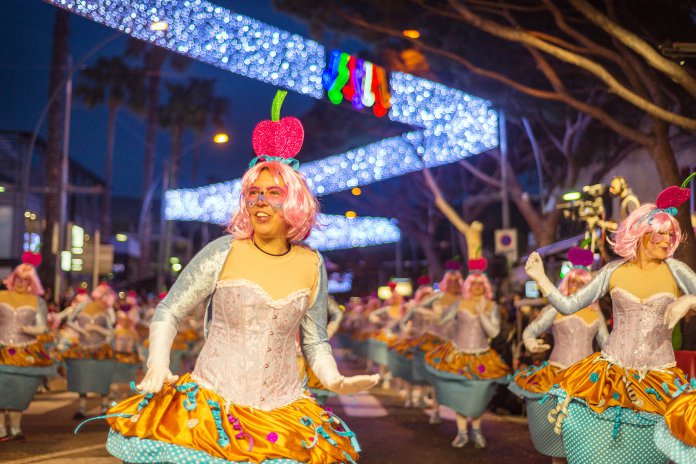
(25, 53)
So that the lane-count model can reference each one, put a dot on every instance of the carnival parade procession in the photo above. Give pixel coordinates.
(291, 231)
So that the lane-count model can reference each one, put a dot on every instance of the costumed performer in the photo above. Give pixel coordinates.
(24, 361)
(245, 401)
(572, 341)
(466, 369)
(608, 403)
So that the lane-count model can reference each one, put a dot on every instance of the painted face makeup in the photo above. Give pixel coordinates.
(273, 196)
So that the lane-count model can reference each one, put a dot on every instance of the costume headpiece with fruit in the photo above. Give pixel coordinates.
(27, 271)
(580, 258)
(278, 139)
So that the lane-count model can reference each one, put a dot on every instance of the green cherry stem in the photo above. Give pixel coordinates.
(688, 179)
(277, 103)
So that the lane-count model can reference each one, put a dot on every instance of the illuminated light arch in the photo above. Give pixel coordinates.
(451, 124)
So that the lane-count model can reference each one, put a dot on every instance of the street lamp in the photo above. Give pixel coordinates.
(164, 178)
(65, 85)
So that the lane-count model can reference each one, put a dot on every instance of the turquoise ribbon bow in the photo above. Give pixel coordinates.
(292, 162)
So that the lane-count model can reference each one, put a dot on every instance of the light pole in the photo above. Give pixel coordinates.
(24, 190)
(165, 227)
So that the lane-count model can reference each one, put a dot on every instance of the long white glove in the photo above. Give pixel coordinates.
(535, 269)
(34, 329)
(678, 309)
(327, 372)
(161, 338)
(535, 345)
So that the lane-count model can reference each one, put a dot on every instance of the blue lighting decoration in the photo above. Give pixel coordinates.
(340, 283)
(448, 124)
(217, 36)
(340, 233)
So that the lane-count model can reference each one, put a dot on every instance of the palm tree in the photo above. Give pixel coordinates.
(52, 155)
(153, 60)
(211, 110)
(110, 81)
(190, 106)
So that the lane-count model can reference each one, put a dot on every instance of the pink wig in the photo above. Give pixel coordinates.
(422, 293)
(457, 273)
(645, 220)
(27, 272)
(299, 210)
(476, 277)
(577, 274)
(104, 293)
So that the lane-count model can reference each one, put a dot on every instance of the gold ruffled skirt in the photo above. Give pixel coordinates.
(32, 355)
(473, 366)
(537, 379)
(197, 418)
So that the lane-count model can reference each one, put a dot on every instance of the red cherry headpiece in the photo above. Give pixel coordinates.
(277, 139)
(674, 197)
(29, 257)
(452, 265)
(162, 295)
(424, 280)
(478, 265)
(81, 291)
(392, 285)
(579, 257)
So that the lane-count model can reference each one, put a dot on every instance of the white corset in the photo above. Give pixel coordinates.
(11, 322)
(572, 340)
(249, 357)
(469, 335)
(640, 339)
(93, 339)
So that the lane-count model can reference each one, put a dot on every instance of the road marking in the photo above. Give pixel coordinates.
(362, 405)
(44, 457)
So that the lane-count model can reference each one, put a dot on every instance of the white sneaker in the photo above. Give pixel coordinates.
(478, 438)
(461, 440)
(435, 418)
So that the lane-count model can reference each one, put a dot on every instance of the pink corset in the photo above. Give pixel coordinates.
(11, 322)
(469, 335)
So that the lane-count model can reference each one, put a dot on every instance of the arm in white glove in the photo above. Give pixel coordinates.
(490, 320)
(678, 309)
(335, 318)
(537, 327)
(602, 333)
(317, 350)
(161, 338)
(535, 269)
(41, 325)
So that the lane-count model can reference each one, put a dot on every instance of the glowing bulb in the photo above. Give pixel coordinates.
(121, 238)
(159, 26)
(411, 34)
(221, 138)
(351, 214)
(356, 191)
(176, 267)
(570, 196)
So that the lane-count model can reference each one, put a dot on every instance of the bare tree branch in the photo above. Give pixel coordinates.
(638, 45)
(480, 174)
(522, 36)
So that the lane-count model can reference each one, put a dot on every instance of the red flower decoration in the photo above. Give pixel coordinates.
(31, 258)
(478, 265)
(580, 257)
(278, 137)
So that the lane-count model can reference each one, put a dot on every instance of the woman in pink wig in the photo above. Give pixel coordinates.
(609, 402)
(245, 400)
(89, 356)
(466, 369)
(24, 362)
(572, 341)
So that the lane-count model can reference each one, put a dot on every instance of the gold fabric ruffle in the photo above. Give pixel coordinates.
(473, 366)
(127, 358)
(537, 379)
(681, 418)
(77, 352)
(602, 384)
(31, 355)
(238, 433)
